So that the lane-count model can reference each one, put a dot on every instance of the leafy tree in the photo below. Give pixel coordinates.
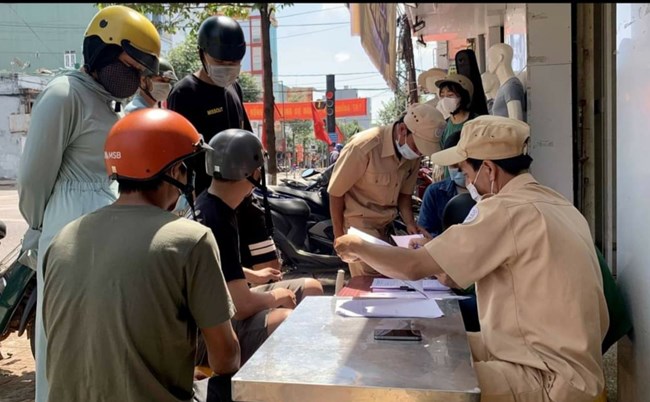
(349, 128)
(391, 110)
(250, 89)
(185, 57)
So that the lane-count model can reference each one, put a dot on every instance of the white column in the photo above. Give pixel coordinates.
(633, 193)
(549, 94)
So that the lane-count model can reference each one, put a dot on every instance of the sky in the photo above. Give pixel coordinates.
(314, 40)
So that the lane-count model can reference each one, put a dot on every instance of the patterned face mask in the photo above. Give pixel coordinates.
(119, 80)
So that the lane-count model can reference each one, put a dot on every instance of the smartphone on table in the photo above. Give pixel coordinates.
(398, 335)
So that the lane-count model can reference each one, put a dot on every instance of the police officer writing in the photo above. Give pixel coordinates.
(541, 306)
(376, 172)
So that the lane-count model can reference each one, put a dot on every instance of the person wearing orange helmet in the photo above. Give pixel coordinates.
(61, 175)
(126, 286)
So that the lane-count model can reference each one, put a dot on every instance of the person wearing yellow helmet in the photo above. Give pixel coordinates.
(61, 174)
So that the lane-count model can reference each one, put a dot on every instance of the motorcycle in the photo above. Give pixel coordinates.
(303, 230)
(18, 293)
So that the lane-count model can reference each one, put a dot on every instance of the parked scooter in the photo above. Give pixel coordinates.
(17, 293)
(303, 229)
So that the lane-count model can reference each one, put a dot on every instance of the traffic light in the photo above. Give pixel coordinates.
(330, 101)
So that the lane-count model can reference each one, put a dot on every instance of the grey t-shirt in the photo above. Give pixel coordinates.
(125, 289)
(511, 90)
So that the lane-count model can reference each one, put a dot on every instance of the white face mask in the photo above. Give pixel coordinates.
(474, 192)
(406, 151)
(223, 76)
(161, 90)
(472, 189)
(449, 104)
(441, 109)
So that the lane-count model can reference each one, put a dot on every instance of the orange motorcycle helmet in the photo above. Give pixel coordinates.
(146, 143)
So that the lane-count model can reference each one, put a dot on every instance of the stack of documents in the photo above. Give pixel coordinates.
(399, 289)
(388, 308)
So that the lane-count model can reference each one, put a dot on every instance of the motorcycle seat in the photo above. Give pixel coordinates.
(289, 206)
(309, 196)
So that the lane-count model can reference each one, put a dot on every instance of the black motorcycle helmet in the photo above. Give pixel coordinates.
(457, 210)
(222, 38)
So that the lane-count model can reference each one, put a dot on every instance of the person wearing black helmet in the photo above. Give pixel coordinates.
(236, 164)
(211, 98)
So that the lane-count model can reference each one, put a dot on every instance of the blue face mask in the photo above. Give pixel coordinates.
(457, 176)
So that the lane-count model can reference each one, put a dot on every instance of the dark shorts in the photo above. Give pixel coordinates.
(255, 245)
(253, 331)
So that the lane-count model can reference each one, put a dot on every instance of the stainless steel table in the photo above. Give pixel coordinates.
(317, 355)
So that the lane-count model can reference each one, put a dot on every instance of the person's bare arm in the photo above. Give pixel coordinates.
(248, 303)
(337, 207)
(262, 275)
(394, 262)
(275, 264)
(223, 348)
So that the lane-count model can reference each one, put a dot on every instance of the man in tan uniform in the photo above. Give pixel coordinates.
(540, 294)
(376, 172)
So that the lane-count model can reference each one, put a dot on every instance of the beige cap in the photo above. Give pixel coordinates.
(459, 79)
(427, 124)
(428, 78)
(487, 138)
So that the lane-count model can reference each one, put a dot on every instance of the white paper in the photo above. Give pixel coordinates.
(403, 241)
(388, 283)
(420, 308)
(400, 294)
(366, 237)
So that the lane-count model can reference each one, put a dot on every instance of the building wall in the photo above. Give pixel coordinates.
(548, 89)
(252, 62)
(10, 143)
(39, 34)
(633, 192)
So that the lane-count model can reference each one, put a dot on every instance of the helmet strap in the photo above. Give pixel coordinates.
(202, 58)
(148, 93)
(186, 189)
(265, 197)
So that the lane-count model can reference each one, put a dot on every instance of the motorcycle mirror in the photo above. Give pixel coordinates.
(308, 172)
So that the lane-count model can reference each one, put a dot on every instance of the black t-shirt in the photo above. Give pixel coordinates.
(210, 109)
(222, 220)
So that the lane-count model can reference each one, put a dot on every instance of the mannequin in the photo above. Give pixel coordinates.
(427, 81)
(490, 86)
(510, 98)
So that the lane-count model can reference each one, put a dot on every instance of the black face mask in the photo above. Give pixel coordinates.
(119, 80)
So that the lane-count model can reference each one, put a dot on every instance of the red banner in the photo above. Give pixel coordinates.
(302, 110)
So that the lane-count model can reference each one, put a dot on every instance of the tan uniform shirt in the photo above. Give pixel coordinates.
(538, 284)
(370, 177)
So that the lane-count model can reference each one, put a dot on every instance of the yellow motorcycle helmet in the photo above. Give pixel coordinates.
(124, 27)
